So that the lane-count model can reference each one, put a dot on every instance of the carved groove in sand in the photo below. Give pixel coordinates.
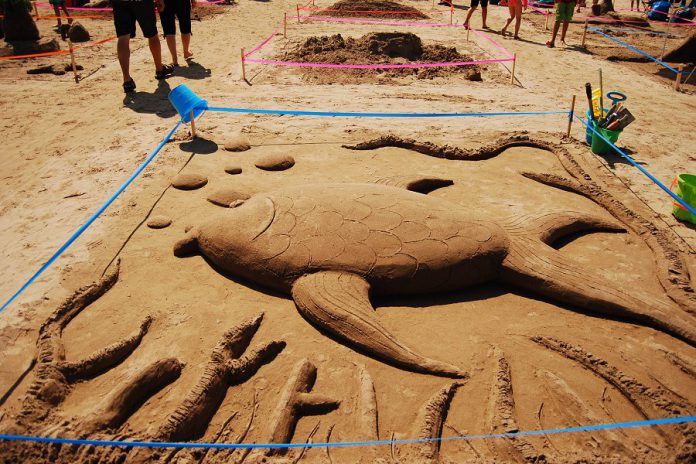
(333, 246)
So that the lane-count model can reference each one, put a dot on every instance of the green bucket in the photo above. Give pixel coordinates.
(686, 190)
(599, 146)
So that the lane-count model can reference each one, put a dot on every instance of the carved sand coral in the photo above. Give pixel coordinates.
(54, 375)
(228, 365)
(297, 401)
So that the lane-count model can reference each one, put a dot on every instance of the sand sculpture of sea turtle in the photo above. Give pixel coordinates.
(332, 246)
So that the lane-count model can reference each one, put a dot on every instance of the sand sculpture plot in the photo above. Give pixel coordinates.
(213, 350)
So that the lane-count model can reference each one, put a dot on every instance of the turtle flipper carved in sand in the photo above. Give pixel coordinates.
(332, 246)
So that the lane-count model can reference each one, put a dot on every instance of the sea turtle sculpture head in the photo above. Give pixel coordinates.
(332, 246)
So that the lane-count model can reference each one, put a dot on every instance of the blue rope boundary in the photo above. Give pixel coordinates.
(378, 115)
(339, 444)
(92, 218)
(637, 50)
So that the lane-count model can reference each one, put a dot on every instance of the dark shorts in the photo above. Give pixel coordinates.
(181, 9)
(475, 3)
(127, 12)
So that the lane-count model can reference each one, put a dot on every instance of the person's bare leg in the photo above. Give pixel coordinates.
(123, 52)
(171, 44)
(67, 15)
(518, 18)
(156, 50)
(563, 32)
(484, 13)
(186, 41)
(468, 16)
(552, 43)
(56, 10)
(509, 20)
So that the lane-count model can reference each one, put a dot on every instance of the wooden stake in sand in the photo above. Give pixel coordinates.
(243, 70)
(36, 10)
(285, 25)
(298, 14)
(512, 75)
(584, 33)
(451, 13)
(72, 61)
(546, 24)
(677, 81)
(193, 125)
(467, 33)
(570, 116)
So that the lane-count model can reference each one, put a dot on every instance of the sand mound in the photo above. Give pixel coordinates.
(382, 9)
(382, 48)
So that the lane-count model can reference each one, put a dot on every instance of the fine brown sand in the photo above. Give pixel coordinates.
(121, 339)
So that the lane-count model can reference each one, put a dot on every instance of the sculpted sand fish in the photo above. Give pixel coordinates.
(332, 246)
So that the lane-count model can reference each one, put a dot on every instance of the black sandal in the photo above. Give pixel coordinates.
(129, 86)
(167, 70)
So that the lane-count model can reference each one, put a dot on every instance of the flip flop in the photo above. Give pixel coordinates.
(129, 86)
(167, 70)
(550, 45)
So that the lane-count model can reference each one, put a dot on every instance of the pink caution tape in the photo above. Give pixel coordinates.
(377, 66)
(262, 44)
(374, 21)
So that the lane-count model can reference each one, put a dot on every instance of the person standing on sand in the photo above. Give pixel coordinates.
(484, 12)
(57, 6)
(181, 10)
(515, 7)
(564, 14)
(126, 13)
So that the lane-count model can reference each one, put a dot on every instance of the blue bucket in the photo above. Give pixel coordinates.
(185, 101)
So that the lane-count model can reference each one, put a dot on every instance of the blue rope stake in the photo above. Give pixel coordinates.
(377, 115)
(676, 197)
(594, 29)
(338, 444)
(92, 218)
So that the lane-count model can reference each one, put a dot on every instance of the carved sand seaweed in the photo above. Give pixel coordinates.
(368, 414)
(504, 410)
(225, 368)
(54, 375)
(649, 402)
(427, 148)
(431, 419)
(567, 402)
(683, 364)
(296, 402)
(124, 401)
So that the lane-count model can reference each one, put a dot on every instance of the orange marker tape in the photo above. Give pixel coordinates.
(59, 52)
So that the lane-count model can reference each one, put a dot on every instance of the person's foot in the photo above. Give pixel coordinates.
(485, 27)
(129, 86)
(517, 37)
(188, 55)
(550, 44)
(167, 70)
